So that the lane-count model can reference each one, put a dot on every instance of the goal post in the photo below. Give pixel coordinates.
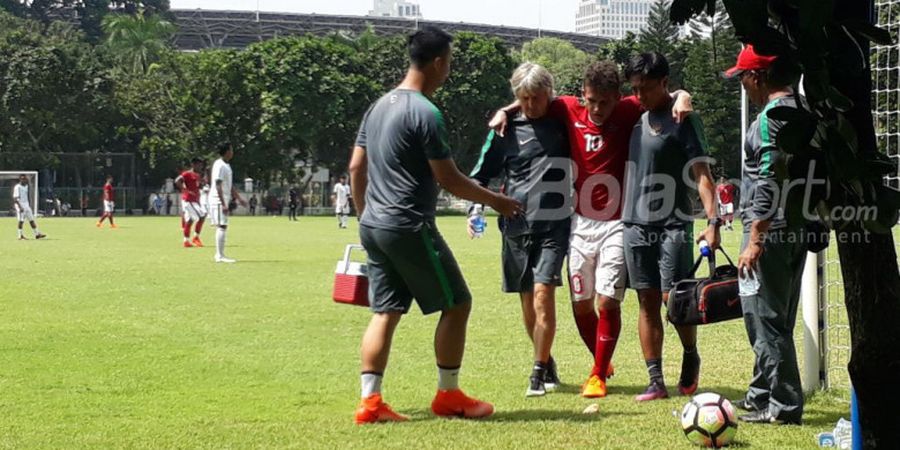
(8, 179)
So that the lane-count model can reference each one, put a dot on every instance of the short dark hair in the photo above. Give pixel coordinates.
(783, 72)
(196, 160)
(109, 176)
(650, 65)
(427, 44)
(224, 147)
(603, 76)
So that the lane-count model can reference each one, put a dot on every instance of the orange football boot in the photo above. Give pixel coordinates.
(373, 409)
(454, 403)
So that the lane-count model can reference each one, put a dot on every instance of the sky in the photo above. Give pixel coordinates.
(556, 15)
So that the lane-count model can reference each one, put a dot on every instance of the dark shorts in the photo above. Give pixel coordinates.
(656, 256)
(534, 258)
(403, 265)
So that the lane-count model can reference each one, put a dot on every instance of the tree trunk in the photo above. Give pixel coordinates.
(871, 277)
(872, 296)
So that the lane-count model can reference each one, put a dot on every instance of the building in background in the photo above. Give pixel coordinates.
(611, 18)
(396, 8)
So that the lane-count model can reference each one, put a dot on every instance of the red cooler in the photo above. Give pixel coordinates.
(351, 285)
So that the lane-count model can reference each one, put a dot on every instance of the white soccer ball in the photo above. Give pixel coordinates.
(708, 420)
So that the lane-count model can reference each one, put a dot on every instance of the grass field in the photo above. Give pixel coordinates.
(121, 338)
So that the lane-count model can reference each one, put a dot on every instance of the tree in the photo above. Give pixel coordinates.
(138, 40)
(718, 100)
(54, 93)
(661, 35)
(478, 84)
(830, 39)
(90, 12)
(620, 50)
(562, 59)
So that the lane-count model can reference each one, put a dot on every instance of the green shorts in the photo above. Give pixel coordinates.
(403, 265)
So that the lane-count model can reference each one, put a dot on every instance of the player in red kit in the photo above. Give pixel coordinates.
(192, 210)
(725, 194)
(599, 127)
(109, 203)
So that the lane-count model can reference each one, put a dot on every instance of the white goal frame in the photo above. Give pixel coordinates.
(33, 187)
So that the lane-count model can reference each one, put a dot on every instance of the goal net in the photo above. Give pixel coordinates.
(885, 60)
(9, 179)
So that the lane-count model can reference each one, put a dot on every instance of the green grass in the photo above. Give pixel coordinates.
(121, 338)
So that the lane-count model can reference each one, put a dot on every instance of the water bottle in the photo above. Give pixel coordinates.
(705, 251)
(477, 219)
(748, 282)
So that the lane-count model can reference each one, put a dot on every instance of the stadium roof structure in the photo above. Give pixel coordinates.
(201, 29)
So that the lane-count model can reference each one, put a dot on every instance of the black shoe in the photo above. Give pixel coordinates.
(766, 417)
(745, 405)
(690, 373)
(535, 387)
(551, 376)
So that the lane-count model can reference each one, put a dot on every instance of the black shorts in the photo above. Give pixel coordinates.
(534, 258)
(658, 257)
(403, 265)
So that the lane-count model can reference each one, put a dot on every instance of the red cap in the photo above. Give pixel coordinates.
(750, 60)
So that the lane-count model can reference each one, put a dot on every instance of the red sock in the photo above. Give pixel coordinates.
(608, 327)
(198, 227)
(187, 229)
(587, 328)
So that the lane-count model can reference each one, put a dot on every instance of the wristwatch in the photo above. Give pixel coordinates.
(716, 221)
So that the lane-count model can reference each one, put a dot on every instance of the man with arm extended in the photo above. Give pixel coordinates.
(533, 156)
(599, 129)
(658, 214)
(401, 156)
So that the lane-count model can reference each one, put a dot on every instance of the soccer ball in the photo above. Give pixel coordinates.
(708, 420)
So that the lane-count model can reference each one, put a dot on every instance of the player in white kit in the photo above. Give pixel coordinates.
(220, 196)
(341, 198)
(23, 208)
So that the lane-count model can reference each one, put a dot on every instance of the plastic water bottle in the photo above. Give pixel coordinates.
(705, 251)
(478, 222)
(748, 282)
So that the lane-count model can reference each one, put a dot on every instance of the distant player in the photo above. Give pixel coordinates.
(293, 202)
(220, 196)
(23, 208)
(401, 155)
(341, 199)
(725, 194)
(109, 203)
(192, 210)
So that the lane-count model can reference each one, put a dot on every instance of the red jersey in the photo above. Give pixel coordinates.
(599, 153)
(725, 192)
(191, 182)
(109, 194)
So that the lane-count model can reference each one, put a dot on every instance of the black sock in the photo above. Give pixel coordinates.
(690, 353)
(654, 368)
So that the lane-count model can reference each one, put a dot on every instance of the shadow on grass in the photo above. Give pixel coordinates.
(260, 261)
(526, 415)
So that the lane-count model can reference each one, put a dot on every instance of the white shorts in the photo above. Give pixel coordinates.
(342, 210)
(109, 206)
(726, 209)
(24, 214)
(192, 211)
(217, 216)
(596, 259)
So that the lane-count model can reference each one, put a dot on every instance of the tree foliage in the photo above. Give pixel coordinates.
(562, 59)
